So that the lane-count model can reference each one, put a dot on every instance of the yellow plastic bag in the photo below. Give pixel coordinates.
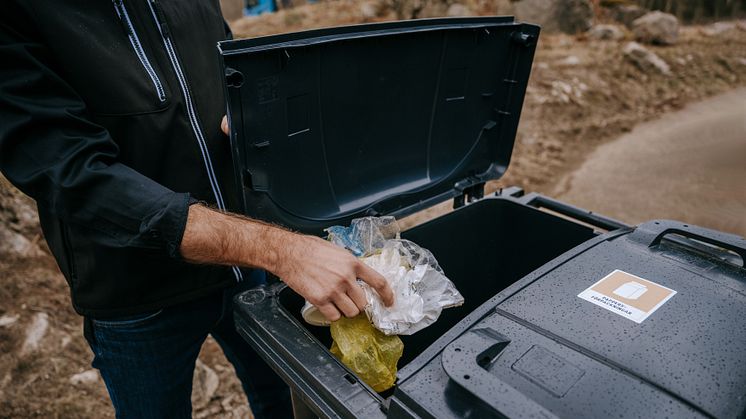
(367, 351)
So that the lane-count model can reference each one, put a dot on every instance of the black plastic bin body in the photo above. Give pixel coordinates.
(335, 124)
(520, 270)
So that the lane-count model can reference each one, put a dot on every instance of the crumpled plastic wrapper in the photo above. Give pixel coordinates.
(421, 289)
(367, 351)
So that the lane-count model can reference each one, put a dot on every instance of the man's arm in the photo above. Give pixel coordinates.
(321, 272)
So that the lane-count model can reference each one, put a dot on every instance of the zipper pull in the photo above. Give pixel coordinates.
(119, 7)
(159, 17)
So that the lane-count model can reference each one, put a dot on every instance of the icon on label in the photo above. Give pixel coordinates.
(631, 290)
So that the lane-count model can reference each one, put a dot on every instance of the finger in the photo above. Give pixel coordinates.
(358, 296)
(377, 281)
(224, 125)
(330, 312)
(345, 304)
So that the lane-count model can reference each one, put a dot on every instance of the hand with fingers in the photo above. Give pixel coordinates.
(326, 275)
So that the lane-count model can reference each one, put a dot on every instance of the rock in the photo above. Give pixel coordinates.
(205, 384)
(369, 10)
(568, 16)
(85, 377)
(645, 59)
(8, 320)
(626, 14)
(15, 244)
(35, 332)
(570, 60)
(457, 10)
(656, 28)
(606, 33)
(719, 28)
(18, 222)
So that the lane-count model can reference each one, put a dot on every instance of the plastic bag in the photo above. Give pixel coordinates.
(420, 287)
(366, 351)
(364, 235)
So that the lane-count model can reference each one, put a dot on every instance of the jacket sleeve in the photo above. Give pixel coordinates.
(51, 151)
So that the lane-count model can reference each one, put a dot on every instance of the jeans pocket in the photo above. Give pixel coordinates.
(127, 321)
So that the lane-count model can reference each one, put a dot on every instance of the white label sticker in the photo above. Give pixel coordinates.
(627, 295)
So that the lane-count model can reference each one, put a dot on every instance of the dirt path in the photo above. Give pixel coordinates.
(689, 165)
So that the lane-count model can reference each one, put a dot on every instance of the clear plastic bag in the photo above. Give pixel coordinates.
(364, 235)
(421, 289)
(366, 351)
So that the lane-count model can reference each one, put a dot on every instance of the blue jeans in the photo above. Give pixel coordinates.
(147, 361)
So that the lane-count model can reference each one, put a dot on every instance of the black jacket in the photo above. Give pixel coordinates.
(110, 119)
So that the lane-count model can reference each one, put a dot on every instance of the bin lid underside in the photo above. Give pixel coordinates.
(333, 124)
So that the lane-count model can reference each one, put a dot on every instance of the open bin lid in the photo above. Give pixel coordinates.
(389, 118)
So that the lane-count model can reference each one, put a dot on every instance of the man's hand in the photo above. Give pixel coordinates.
(325, 274)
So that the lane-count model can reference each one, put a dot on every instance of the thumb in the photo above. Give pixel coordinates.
(224, 125)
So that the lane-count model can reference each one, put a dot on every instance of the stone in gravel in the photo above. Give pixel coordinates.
(35, 332)
(606, 33)
(568, 16)
(719, 28)
(368, 10)
(85, 377)
(458, 10)
(206, 382)
(16, 244)
(656, 28)
(645, 59)
(570, 60)
(8, 320)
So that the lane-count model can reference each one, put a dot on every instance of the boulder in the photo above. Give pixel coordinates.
(656, 28)
(646, 60)
(606, 33)
(568, 16)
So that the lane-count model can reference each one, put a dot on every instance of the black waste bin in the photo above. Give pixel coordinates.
(559, 319)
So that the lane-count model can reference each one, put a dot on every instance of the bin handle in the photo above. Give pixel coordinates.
(651, 233)
(464, 361)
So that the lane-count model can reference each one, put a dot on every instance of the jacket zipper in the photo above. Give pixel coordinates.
(137, 46)
(160, 22)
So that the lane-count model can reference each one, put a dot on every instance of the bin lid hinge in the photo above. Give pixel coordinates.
(468, 195)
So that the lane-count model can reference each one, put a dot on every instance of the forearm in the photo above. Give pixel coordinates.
(214, 237)
(325, 274)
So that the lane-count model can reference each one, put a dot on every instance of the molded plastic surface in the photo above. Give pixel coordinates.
(333, 124)
(543, 349)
